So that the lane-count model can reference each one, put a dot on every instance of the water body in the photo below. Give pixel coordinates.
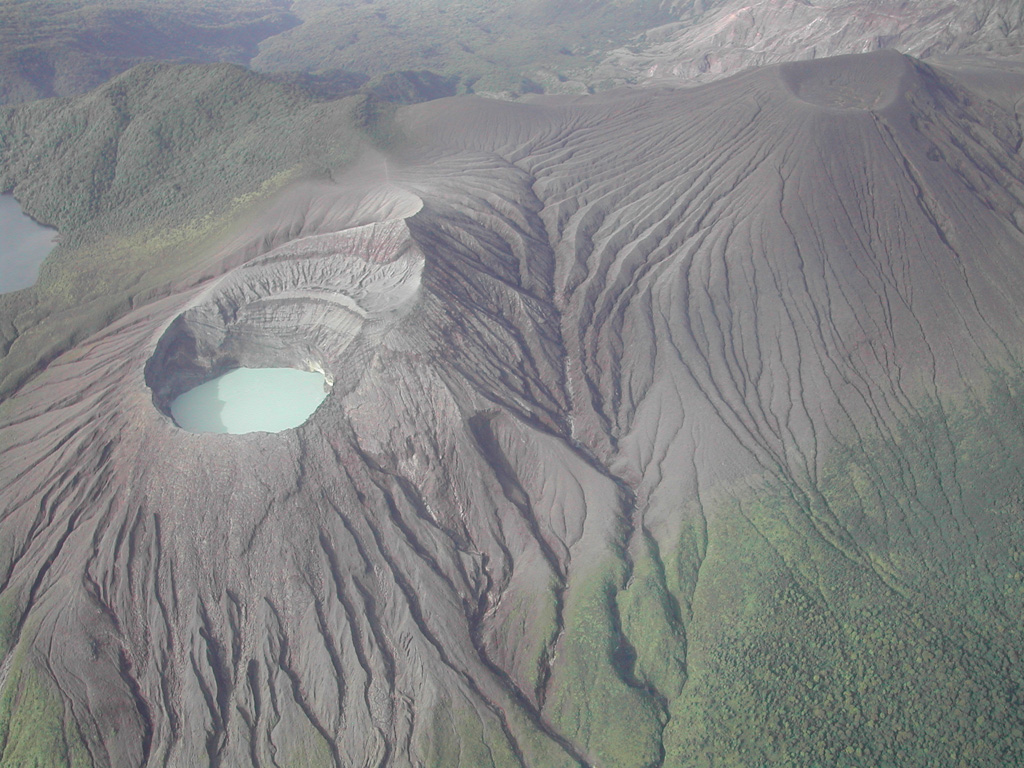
(250, 400)
(23, 246)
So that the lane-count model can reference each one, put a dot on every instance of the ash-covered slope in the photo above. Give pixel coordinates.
(667, 428)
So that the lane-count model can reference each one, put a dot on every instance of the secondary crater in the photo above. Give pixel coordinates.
(258, 350)
(855, 83)
(238, 376)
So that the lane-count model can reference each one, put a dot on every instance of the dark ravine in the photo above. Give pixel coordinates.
(668, 427)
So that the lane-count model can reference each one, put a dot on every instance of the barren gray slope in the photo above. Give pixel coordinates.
(674, 427)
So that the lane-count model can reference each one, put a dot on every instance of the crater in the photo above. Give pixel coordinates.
(233, 377)
(258, 349)
(860, 82)
(251, 400)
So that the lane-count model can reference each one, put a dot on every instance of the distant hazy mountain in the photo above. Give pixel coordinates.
(669, 427)
(67, 47)
(734, 35)
(499, 48)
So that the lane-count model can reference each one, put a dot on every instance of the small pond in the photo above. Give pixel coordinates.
(23, 246)
(250, 400)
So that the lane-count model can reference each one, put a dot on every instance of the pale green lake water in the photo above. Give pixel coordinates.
(250, 400)
(23, 246)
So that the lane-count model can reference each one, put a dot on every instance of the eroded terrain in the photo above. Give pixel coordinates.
(667, 428)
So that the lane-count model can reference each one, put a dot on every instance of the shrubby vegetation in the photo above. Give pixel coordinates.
(869, 619)
(459, 738)
(873, 620)
(488, 46)
(67, 47)
(167, 143)
(33, 730)
(591, 698)
(142, 175)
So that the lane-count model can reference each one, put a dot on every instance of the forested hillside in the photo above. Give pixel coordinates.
(144, 175)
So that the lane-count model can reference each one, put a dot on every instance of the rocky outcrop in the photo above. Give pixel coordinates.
(662, 422)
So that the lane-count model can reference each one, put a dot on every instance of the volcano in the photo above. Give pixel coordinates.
(671, 427)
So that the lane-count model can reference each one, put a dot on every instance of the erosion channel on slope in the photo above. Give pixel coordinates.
(666, 428)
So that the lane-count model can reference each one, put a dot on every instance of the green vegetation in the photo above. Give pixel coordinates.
(313, 752)
(461, 738)
(653, 626)
(488, 46)
(874, 619)
(589, 699)
(165, 142)
(869, 619)
(66, 47)
(144, 177)
(871, 616)
(34, 732)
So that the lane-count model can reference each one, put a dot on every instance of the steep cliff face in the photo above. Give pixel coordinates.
(667, 428)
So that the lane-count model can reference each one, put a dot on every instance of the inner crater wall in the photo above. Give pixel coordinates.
(301, 306)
